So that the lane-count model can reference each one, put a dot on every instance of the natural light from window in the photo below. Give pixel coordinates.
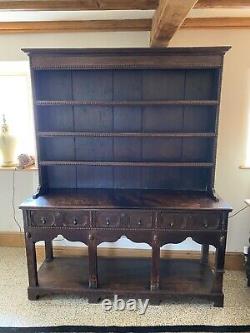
(16, 105)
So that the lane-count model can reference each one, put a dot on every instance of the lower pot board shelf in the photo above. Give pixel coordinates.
(127, 277)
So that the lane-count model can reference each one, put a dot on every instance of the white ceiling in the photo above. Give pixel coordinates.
(13, 16)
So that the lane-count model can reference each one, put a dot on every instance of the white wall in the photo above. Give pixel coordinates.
(232, 183)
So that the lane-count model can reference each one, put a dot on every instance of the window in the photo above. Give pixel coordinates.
(15, 103)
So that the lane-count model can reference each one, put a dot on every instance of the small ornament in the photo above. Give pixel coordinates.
(25, 161)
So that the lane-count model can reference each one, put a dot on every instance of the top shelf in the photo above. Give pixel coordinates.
(127, 103)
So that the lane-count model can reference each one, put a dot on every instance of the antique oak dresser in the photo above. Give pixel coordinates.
(126, 146)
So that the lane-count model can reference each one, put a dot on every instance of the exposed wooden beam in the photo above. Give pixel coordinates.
(77, 4)
(118, 25)
(74, 26)
(167, 19)
(216, 22)
(109, 4)
(241, 4)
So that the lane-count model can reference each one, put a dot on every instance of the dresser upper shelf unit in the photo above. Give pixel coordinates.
(127, 118)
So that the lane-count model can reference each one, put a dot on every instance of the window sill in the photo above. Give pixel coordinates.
(32, 168)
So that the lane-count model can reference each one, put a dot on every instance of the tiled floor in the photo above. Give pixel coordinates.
(16, 310)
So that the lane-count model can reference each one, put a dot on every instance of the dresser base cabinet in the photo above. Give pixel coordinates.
(155, 278)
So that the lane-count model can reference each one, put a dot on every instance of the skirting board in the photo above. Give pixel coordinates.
(234, 260)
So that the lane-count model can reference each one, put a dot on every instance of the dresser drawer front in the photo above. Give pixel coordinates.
(172, 221)
(209, 221)
(43, 218)
(141, 220)
(111, 219)
(72, 218)
(75, 218)
(192, 221)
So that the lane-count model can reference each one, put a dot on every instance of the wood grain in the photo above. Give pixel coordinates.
(78, 4)
(118, 25)
(216, 22)
(203, 4)
(75, 5)
(167, 19)
(74, 26)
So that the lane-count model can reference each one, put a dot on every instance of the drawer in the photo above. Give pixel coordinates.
(143, 220)
(71, 218)
(172, 221)
(43, 218)
(111, 219)
(75, 218)
(208, 221)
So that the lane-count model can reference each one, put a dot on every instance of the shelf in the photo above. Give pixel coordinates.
(127, 103)
(125, 134)
(126, 275)
(130, 164)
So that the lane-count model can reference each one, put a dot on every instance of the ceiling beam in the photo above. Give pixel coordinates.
(77, 4)
(118, 25)
(226, 4)
(167, 19)
(109, 4)
(216, 22)
(75, 26)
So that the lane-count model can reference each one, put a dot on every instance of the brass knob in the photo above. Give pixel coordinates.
(139, 222)
(108, 221)
(205, 225)
(171, 224)
(43, 220)
(75, 222)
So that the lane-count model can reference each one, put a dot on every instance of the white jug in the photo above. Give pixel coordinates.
(7, 146)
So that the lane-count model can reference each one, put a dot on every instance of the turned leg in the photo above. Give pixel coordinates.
(92, 250)
(48, 250)
(219, 271)
(32, 264)
(204, 254)
(155, 264)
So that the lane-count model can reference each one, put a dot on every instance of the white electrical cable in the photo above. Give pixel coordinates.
(238, 211)
(13, 202)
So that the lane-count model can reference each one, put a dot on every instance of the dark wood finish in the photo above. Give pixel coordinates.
(126, 143)
(178, 278)
(248, 267)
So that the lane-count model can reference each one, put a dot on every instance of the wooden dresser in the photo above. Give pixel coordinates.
(126, 143)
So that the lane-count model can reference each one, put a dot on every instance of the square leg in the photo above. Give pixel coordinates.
(92, 249)
(48, 250)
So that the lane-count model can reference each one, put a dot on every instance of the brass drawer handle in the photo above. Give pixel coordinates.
(140, 222)
(75, 222)
(43, 220)
(108, 221)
